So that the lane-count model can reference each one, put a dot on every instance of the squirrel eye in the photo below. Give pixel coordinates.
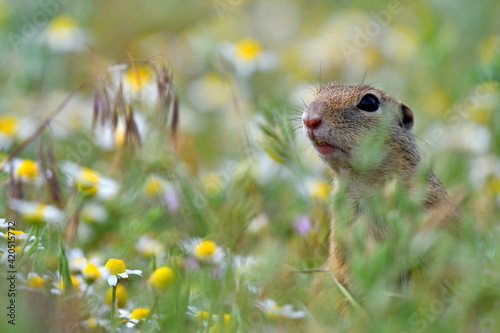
(369, 103)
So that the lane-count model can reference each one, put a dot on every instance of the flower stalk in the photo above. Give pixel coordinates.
(113, 308)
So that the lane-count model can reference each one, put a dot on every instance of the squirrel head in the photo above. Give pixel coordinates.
(360, 128)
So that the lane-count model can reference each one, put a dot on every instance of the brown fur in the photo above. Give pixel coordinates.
(345, 126)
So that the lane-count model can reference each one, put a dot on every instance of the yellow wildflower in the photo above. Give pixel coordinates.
(161, 277)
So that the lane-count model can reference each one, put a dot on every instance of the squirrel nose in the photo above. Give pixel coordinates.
(311, 122)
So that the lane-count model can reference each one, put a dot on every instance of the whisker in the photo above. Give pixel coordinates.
(320, 83)
(297, 135)
(292, 107)
(364, 76)
(315, 86)
(311, 90)
(295, 111)
(303, 102)
(373, 83)
(430, 146)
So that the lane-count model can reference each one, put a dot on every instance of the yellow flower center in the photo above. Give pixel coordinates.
(248, 49)
(36, 215)
(8, 125)
(161, 277)
(27, 170)
(120, 135)
(273, 313)
(493, 185)
(202, 315)
(205, 249)
(15, 232)
(137, 77)
(139, 314)
(62, 26)
(320, 190)
(35, 282)
(480, 114)
(91, 323)
(121, 295)
(74, 283)
(91, 272)
(115, 266)
(227, 318)
(88, 181)
(77, 263)
(153, 187)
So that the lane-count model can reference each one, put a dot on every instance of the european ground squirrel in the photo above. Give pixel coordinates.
(365, 136)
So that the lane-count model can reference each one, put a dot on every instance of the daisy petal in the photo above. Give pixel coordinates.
(112, 280)
(134, 271)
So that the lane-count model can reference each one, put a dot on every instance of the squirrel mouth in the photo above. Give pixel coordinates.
(321, 146)
(324, 148)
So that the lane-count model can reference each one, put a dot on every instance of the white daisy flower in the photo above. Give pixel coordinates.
(205, 317)
(208, 320)
(133, 317)
(89, 269)
(109, 137)
(89, 182)
(273, 310)
(244, 267)
(76, 260)
(34, 282)
(209, 92)
(14, 128)
(64, 35)
(96, 324)
(94, 212)
(258, 223)
(466, 135)
(248, 56)
(204, 250)
(117, 271)
(8, 130)
(482, 167)
(25, 170)
(36, 212)
(138, 83)
(158, 188)
(20, 249)
(318, 189)
(58, 284)
(18, 235)
(150, 247)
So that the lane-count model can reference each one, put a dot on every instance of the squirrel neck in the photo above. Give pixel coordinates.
(400, 163)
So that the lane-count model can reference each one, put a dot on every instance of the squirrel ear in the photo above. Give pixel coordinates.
(406, 119)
